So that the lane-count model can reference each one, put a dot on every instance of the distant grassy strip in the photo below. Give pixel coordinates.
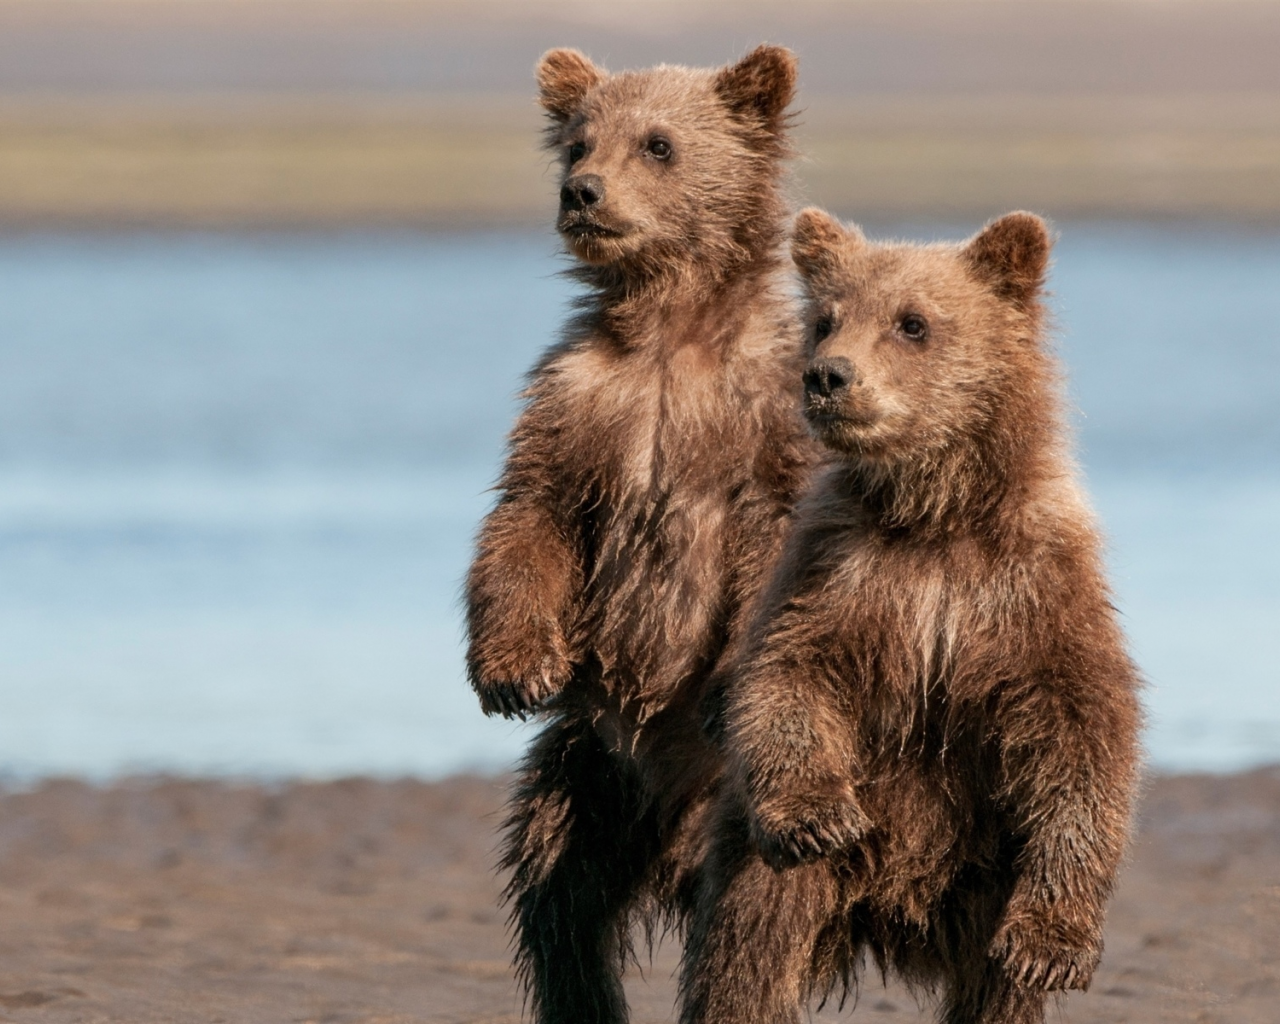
(475, 161)
(1214, 157)
(246, 164)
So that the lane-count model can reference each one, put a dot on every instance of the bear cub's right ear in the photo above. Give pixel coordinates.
(760, 85)
(1013, 253)
(817, 239)
(565, 77)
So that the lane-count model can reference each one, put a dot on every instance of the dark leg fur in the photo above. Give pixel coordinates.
(991, 997)
(980, 989)
(579, 844)
(749, 957)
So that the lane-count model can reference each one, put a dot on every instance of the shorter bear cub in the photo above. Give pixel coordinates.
(933, 729)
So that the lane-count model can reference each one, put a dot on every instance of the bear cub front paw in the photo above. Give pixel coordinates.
(793, 828)
(514, 693)
(1046, 955)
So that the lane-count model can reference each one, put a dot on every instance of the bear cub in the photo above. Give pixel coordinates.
(646, 489)
(933, 729)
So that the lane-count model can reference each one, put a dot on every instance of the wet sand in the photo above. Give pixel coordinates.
(363, 901)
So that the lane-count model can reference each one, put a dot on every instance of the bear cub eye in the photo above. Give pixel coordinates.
(914, 326)
(823, 327)
(577, 151)
(659, 148)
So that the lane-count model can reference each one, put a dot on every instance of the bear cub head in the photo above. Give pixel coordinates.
(670, 165)
(927, 370)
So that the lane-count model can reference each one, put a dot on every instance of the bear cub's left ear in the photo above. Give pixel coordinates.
(564, 78)
(760, 86)
(818, 239)
(1013, 252)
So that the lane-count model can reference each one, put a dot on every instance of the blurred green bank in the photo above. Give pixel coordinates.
(473, 160)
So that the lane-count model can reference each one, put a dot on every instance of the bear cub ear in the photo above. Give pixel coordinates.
(565, 77)
(817, 239)
(760, 85)
(1013, 252)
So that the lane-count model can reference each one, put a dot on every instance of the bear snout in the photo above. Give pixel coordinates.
(581, 192)
(827, 378)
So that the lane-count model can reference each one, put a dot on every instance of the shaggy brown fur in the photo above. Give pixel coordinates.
(933, 731)
(643, 499)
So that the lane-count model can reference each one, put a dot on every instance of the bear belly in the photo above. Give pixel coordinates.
(927, 832)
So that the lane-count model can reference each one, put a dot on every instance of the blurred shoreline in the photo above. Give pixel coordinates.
(422, 113)
(471, 160)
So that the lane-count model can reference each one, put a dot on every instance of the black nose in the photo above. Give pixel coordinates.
(826, 377)
(581, 191)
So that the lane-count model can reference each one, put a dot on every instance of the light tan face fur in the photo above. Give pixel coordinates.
(668, 156)
(918, 344)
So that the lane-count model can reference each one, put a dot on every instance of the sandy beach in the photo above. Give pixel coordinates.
(365, 901)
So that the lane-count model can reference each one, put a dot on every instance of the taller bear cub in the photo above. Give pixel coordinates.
(933, 730)
(648, 478)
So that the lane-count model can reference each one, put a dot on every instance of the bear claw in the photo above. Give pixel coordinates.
(516, 699)
(1034, 963)
(815, 832)
(522, 696)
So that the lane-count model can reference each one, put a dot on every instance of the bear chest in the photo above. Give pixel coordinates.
(660, 431)
(670, 447)
(908, 618)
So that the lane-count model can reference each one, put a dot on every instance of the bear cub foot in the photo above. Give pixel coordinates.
(1039, 954)
(794, 828)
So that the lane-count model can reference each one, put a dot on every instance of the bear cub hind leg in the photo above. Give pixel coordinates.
(578, 844)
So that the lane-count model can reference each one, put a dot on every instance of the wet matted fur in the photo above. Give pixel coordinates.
(660, 449)
(932, 730)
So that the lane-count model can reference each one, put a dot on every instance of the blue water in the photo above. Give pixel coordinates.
(239, 477)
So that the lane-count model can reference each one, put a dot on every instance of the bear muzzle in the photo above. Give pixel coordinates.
(834, 400)
(581, 192)
(826, 379)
